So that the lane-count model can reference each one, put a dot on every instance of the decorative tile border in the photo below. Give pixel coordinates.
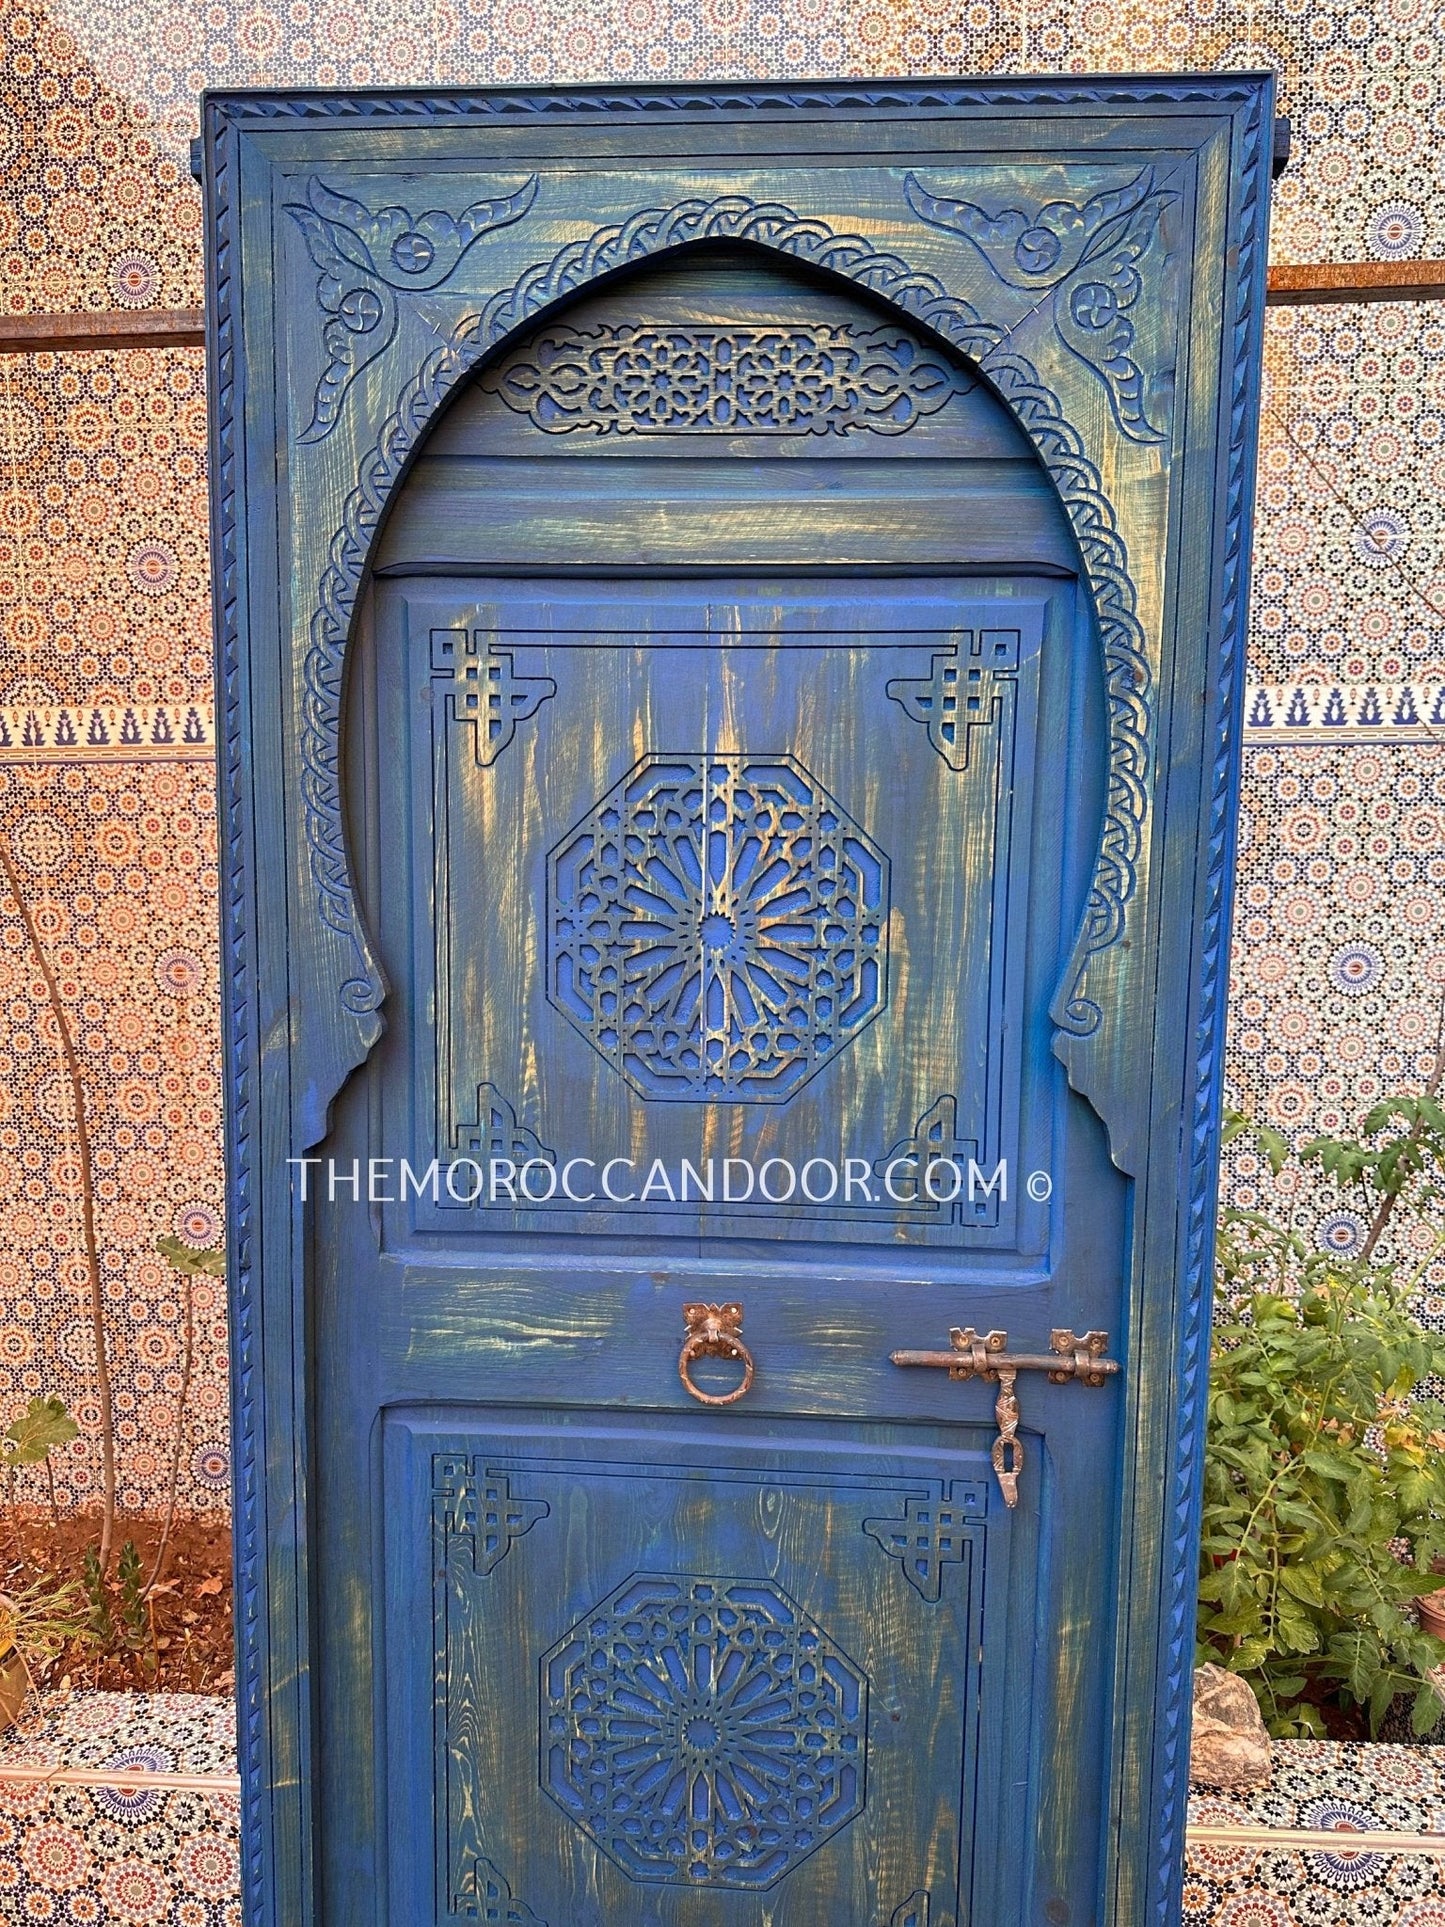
(76, 733)
(1277, 712)
(136, 1820)
(1319, 712)
(190, 1734)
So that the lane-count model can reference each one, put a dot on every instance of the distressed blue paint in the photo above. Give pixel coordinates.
(363, 1355)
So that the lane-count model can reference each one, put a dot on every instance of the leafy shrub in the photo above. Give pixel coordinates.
(30, 1439)
(1324, 1501)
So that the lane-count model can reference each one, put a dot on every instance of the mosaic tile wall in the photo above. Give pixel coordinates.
(139, 1856)
(105, 718)
(168, 1855)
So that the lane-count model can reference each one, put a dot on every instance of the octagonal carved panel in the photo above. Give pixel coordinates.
(703, 1732)
(718, 927)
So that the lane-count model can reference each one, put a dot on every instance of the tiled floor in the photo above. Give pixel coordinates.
(166, 1856)
(100, 1856)
(1319, 1786)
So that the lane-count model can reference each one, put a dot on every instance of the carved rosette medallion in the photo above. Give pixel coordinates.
(703, 1732)
(815, 380)
(718, 927)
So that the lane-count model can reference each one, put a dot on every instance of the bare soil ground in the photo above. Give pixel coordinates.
(178, 1640)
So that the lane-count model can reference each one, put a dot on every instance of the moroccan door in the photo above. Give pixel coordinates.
(719, 1417)
(730, 873)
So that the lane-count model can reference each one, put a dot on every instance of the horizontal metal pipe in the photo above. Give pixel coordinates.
(1019, 1361)
(31, 334)
(1312, 1839)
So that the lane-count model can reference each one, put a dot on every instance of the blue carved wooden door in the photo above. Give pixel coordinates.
(724, 1470)
(721, 910)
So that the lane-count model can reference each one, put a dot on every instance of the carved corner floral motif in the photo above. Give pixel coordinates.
(1081, 259)
(365, 258)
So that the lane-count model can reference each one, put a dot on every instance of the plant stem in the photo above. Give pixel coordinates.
(87, 1208)
(1415, 1276)
(1417, 1131)
(188, 1287)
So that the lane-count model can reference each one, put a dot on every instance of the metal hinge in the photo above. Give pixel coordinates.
(1069, 1357)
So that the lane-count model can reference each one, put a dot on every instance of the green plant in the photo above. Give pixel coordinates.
(1398, 1160)
(30, 1439)
(211, 1261)
(40, 1619)
(191, 1262)
(136, 1631)
(1324, 1501)
(100, 1623)
(85, 1160)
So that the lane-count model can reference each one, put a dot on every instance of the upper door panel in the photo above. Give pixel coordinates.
(731, 878)
(723, 366)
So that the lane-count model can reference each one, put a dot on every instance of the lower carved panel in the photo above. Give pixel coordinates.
(737, 1674)
(704, 1731)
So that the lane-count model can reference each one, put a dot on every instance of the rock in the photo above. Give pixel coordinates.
(1229, 1747)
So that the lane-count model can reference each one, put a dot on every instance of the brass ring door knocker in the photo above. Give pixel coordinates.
(714, 1331)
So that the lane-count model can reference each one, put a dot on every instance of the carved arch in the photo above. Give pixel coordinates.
(774, 227)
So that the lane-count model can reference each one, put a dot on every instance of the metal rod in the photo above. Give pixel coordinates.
(1020, 1361)
(1330, 1840)
(1310, 284)
(32, 334)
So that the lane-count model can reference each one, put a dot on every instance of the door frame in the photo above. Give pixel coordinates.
(311, 435)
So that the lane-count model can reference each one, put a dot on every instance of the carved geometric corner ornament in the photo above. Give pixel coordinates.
(486, 1896)
(933, 1533)
(366, 259)
(956, 1197)
(962, 691)
(495, 1133)
(474, 1510)
(1081, 257)
(487, 697)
